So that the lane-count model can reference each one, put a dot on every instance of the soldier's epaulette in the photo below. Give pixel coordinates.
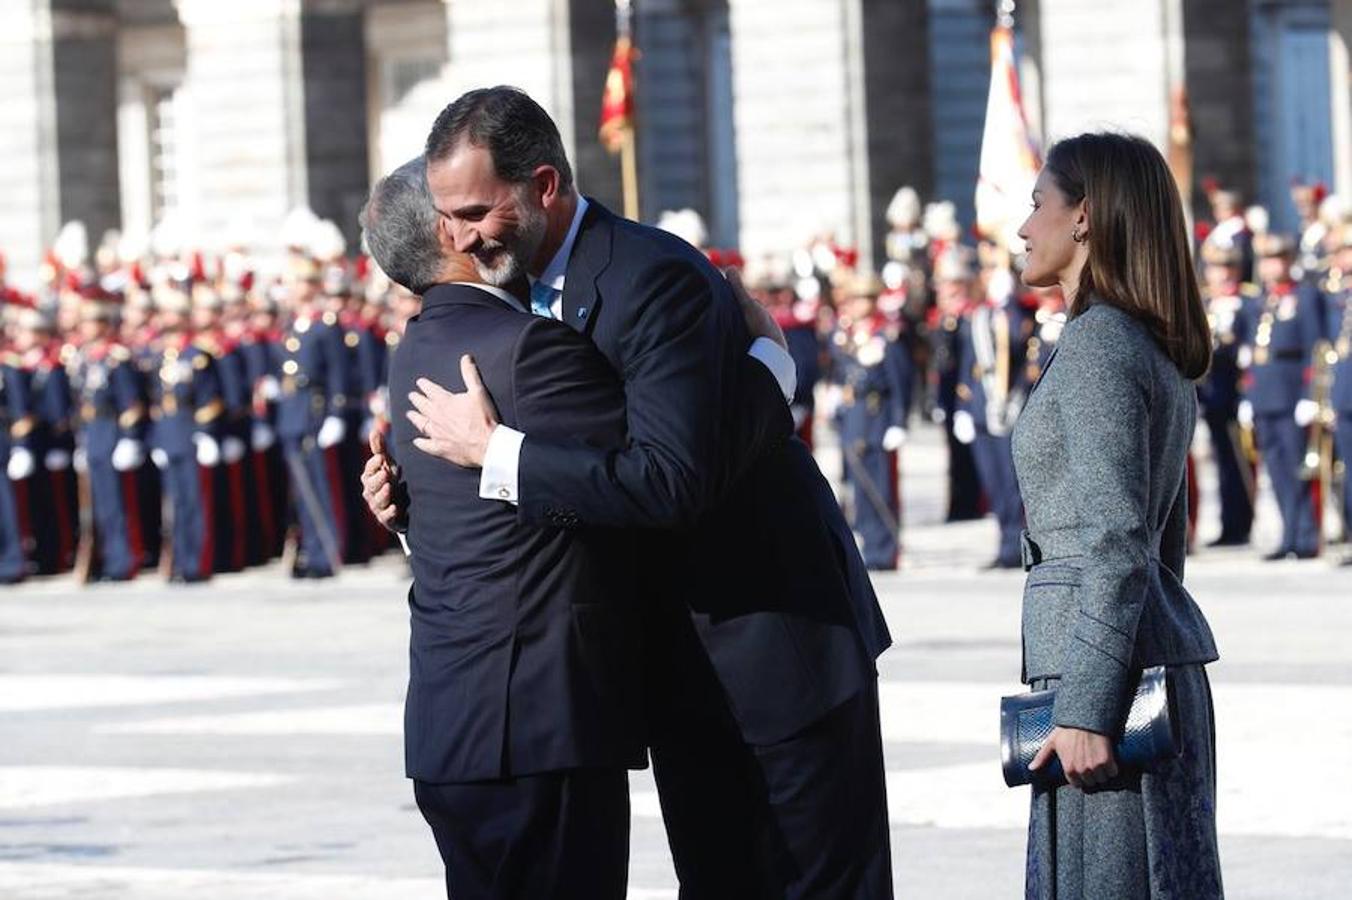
(9, 358)
(207, 345)
(119, 353)
(330, 318)
(68, 354)
(209, 413)
(201, 361)
(1250, 291)
(351, 339)
(391, 339)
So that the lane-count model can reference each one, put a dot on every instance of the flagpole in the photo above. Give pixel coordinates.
(629, 174)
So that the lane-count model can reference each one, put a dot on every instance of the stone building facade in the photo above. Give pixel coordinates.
(776, 119)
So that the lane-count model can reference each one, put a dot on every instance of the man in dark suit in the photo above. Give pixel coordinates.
(762, 626)
(521, 719)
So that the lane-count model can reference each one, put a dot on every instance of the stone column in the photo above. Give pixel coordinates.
(277, 90)
(244, 85)
(1340, 75)
(58, 126)
(558, 51)
(1104, 65)
(830, 97)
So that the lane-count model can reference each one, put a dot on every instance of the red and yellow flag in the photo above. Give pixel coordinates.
(617, 103)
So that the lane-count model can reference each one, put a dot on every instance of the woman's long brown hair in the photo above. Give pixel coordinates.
(1140, 259)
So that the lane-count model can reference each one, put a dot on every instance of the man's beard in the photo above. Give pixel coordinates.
(509, 258)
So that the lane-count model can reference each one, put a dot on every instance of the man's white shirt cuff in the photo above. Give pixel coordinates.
(779, 362)
(502, 463)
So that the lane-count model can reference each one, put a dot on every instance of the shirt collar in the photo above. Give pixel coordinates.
(505, 296)
(553, 274)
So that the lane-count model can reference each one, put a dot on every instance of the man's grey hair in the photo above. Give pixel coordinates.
(399, 224)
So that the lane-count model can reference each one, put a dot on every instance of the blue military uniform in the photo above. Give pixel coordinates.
(186, 409)
(12, 566)
(1219, 395)
(262, 359)
(111, 411)
(1337, 296)
(39, 399)
(313, 391)
(235, 538)
(1286, 326)
(363, 359)
(992, 385)
(875, 374)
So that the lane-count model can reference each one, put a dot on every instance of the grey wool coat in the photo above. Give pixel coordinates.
(1100, 451)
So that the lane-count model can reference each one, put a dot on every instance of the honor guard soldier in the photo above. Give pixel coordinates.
(361, 376)
(797, 318)
(111, 433)
(1337, 295)
(260, 348)
(231, 512)
(875, 375)
(12, 565)
(1286, 327)
(42, 443)
(954, 284)
(991, 389)
(186, 413)
(1228, 305)
(1231, 231)
(313, 400)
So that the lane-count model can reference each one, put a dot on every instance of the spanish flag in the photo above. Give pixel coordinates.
(617, 104)
(1009, 156)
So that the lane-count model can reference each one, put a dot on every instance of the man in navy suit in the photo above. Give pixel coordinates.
(521, 718)
(762, 628)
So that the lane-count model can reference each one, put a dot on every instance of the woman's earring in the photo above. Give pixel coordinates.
(1076, 236)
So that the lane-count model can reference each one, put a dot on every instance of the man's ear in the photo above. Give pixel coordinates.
(444, 239)
(545, 183)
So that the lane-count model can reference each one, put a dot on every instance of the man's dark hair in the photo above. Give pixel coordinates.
(399, 224)
(518, 134)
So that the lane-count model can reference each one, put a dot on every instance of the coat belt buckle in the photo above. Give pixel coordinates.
(1029, 552)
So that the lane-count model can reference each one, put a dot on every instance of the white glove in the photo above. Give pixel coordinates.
(831, 399)
(208, 451)
(331, 432)
(268, 387)
(964, 427)
(21, 464)
(159, 458)
(1245, 414)
(1306, 410)
(263, 437)
(80, 460)
(57, 460)
(893, 438)
(128, 455)
(232, 450)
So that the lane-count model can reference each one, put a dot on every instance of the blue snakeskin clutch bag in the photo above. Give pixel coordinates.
(1148, 738)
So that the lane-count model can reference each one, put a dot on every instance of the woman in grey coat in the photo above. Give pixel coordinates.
(1100, 452)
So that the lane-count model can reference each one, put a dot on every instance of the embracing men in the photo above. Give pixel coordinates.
(616, 543)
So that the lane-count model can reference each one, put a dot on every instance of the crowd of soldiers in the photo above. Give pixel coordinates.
(191, 414)
(949, 330)
(203, 414)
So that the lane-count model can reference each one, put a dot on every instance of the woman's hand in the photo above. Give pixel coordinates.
(1086, 756)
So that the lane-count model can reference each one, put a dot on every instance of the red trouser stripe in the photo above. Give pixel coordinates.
(208, 512)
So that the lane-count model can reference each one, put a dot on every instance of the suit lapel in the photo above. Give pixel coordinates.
(590, 257)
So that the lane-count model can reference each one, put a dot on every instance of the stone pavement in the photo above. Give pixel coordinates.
(242, 740)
